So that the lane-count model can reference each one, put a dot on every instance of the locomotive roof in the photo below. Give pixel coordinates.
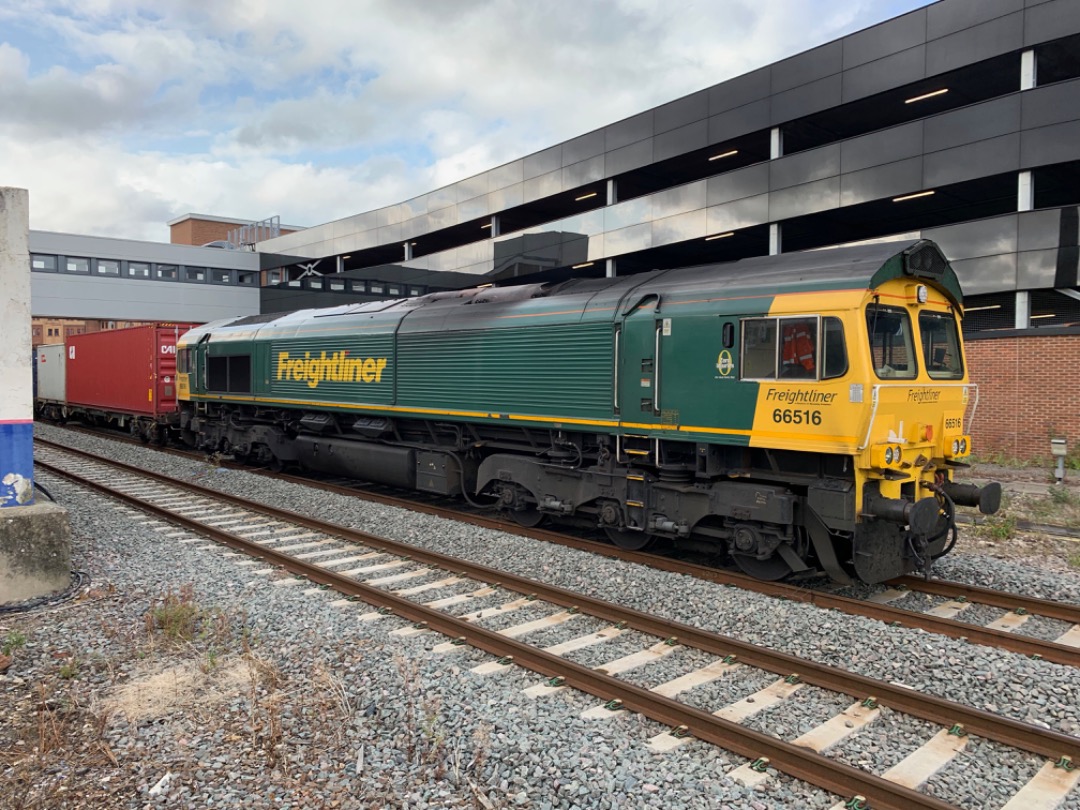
(833, 268)
(869, 265)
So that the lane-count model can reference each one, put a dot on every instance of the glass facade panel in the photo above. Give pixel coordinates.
(627, 240)
(194, 274)
(138, 269)
(166, 272)
(76, 264)
(679, 228)
(679, 200)
(107, 267)
(221, 276)
(629, 213)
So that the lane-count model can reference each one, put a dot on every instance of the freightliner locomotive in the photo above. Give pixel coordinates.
(798, 413)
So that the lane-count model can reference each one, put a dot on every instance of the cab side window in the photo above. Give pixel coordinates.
(791, 348)
(834, 349)
(758, 349)
(798, 348)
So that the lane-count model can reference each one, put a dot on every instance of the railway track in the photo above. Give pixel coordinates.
(956, 598)
(398, 574)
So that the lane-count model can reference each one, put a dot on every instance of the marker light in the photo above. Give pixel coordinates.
(921, 294)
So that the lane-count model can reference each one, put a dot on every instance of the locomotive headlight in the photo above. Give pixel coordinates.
(921, 294)
(888, 455)
(897, 455)
(963, 446)
(956, 447)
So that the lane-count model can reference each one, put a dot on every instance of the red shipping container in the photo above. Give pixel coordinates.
(129, 371)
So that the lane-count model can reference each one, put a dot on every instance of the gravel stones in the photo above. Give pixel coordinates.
(347, 713)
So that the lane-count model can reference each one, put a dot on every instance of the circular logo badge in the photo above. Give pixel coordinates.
(724, 364)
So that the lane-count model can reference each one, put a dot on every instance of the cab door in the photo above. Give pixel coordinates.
(638, 342)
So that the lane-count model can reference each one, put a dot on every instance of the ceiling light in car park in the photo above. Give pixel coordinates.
(980, 309)
(347, 257)
(585, 196)
(725, 154)
(583, 264)
(719, 236)
(924, 96)
(486, 225)
(1050, 315)
(912, 196)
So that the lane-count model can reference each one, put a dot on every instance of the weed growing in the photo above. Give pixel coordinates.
(14, 640)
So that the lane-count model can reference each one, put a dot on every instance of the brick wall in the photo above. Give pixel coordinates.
(1029, 392)
(200, 231)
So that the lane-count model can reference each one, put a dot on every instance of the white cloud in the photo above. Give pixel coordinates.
(255, 108)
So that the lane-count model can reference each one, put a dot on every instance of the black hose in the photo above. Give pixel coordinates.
(951, 514)
(45, 492)
(78, 579)
(464, 489)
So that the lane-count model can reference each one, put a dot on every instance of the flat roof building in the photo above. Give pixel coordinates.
(958, 122)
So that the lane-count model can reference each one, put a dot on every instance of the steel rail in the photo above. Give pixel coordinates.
(1063, 611)
(796, 761)
(1025, 645)
(934, 709)
(890, 614)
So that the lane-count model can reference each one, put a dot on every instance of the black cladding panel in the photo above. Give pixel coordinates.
(973, 123)
(887, 38)
(971, 45)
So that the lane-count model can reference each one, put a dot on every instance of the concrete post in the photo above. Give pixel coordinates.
(16, 372)
(35, 538)
(776, 143)
(1028, 74)
(775, 239)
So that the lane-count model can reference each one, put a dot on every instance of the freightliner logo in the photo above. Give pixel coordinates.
(338, 367)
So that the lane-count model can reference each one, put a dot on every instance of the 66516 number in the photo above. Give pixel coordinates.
(793, 416)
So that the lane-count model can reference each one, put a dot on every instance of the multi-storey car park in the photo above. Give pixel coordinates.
(957, 122)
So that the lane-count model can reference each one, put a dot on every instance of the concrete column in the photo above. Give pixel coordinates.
(408, 251)
(609, 268)
(16, 371)
(1028, 75)
(496, 225)
(1023, 310)
(339, 264)
(612, 192)
(775, 240)
(1025, 192)
(776, 143)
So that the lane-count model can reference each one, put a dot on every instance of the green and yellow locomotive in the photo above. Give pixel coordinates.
(799, 413)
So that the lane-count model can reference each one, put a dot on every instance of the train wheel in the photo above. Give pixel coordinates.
(529, 518)
(629, 540)
(770, 569)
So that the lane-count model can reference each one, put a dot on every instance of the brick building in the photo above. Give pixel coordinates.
(1028, 392)
(202, 229)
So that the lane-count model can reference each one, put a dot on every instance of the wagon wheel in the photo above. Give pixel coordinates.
(770, 569)
(629, 540)
(529, 518)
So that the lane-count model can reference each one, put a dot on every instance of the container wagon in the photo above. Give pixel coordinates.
(121, 378)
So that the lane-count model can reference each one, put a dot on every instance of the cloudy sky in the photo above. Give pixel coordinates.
(119, 115)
